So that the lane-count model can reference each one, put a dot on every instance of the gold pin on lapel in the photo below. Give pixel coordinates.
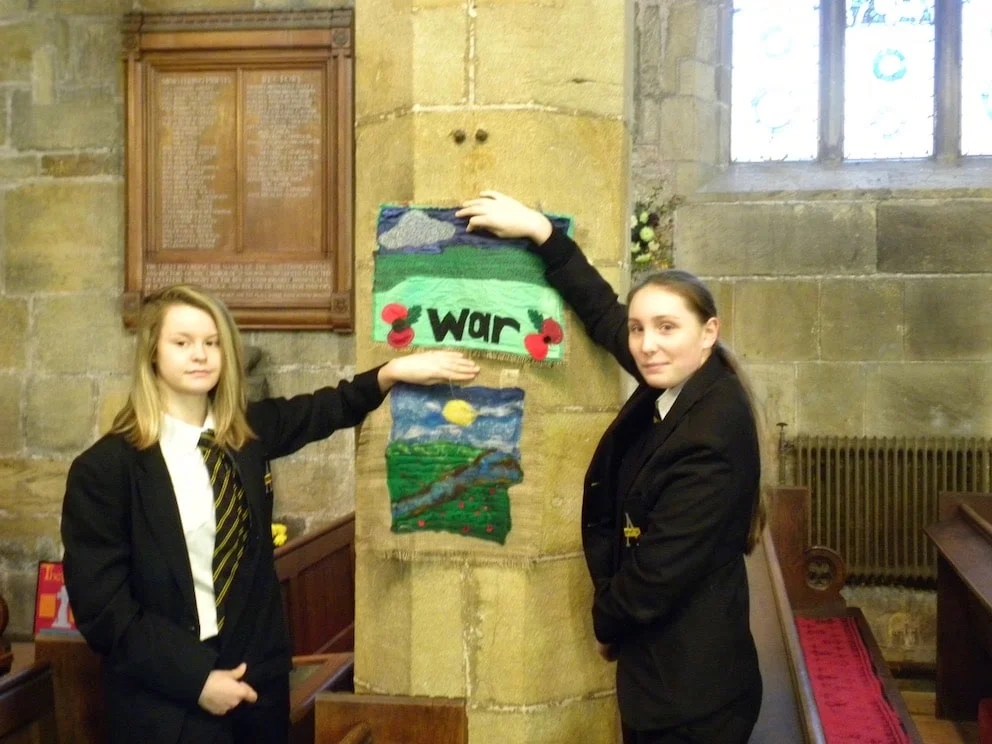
(630, 531)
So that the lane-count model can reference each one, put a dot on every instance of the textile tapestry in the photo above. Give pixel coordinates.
(452, 456)
(435, 284)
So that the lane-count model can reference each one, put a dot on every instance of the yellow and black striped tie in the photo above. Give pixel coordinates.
(231, 509)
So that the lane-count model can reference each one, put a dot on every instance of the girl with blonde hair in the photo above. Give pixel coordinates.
(166, 524)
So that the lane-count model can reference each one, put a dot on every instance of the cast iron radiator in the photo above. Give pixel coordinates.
(872, 496)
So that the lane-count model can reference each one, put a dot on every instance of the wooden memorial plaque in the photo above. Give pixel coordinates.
(239, 162)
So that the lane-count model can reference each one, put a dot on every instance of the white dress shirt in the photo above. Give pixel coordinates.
(195, 499)
(667, 399)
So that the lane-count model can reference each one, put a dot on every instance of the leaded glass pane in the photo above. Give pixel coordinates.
(976, 78)
(776, 67)
(888, 85)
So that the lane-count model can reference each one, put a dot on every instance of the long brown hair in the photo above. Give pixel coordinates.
(699, 300)
(140, 420)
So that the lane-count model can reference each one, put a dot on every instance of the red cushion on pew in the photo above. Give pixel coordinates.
(848, 693)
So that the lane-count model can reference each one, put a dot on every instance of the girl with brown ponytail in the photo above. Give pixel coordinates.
(671, 502)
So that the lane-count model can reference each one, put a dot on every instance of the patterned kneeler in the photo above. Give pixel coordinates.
(849, 695)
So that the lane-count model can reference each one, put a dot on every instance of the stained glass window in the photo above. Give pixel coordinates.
(976, 78)
(775, 80)
(884, 100)
(888, 79)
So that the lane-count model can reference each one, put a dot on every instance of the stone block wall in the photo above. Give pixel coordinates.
(65, 357)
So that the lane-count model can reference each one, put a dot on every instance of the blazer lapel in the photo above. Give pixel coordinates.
(158, 501)
(694, 389)
(616, 438)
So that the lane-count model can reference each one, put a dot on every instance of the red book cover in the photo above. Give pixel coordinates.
(52, 613)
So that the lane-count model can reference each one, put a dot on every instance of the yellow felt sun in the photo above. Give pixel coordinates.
(459, 412)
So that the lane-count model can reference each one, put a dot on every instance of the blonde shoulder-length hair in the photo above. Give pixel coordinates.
(140, 420)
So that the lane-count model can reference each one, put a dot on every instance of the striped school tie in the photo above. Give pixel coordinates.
(231, 509)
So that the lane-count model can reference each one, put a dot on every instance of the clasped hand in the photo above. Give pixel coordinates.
(223, 691)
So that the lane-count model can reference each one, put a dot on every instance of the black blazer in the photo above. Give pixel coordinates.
(673, 601)
(128, 573)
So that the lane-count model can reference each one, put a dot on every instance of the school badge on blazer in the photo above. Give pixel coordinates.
(630, 530)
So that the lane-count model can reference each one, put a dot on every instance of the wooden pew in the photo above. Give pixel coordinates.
(788, 711)
(790, 579)
(317, 575)
(27, 707)
(963, 538)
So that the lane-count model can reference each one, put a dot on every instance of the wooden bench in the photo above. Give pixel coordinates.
(788, 580)
(27, 707)
(963, 538)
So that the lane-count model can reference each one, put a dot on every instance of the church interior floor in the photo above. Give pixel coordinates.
(933, 730)
(919, 699)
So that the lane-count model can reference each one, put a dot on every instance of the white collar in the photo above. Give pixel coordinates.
(667, 399)
(178, 434)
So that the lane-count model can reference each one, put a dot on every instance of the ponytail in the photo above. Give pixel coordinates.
(759, 509)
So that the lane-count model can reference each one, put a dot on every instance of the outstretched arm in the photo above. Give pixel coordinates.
(568, 271)
(427, 368)
(286, 425)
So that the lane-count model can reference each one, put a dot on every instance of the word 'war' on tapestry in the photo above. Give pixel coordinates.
(436, 284)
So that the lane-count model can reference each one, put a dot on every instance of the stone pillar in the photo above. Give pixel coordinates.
(540, 91)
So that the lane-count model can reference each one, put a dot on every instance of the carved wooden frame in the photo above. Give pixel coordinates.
(250, 41)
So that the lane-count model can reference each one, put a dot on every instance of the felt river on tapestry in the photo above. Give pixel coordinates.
(438, 285)
(452, 456)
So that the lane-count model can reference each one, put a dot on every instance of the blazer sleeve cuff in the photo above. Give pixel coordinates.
(367, 385)
(556, 250)
(606, 629)
(199, 671)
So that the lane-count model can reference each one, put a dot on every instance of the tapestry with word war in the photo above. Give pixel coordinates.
(436, 284)
(452, 456)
